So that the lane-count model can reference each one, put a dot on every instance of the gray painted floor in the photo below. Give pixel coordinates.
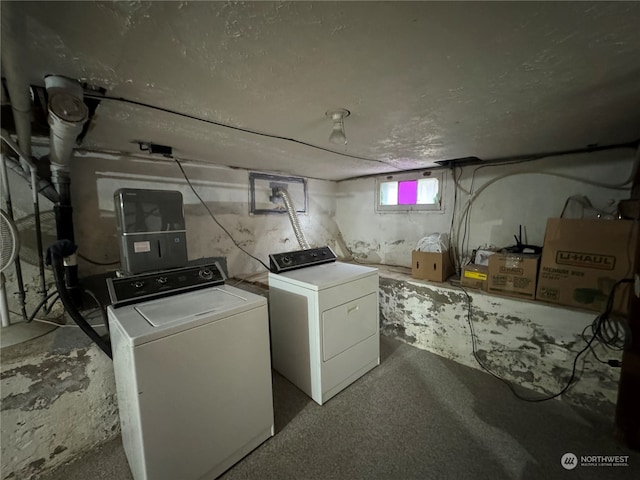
(416, 416)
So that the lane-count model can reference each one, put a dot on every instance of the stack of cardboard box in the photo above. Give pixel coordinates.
(581, 262)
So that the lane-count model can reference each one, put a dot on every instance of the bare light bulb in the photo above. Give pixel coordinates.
(337, 134)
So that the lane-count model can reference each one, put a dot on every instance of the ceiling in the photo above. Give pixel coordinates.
(424, 81)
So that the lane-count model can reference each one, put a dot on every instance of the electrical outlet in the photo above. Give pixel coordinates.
(262, 198)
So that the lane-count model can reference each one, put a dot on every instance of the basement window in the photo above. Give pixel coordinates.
(415, 191)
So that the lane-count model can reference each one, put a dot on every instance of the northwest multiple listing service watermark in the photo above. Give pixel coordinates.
(569, 461)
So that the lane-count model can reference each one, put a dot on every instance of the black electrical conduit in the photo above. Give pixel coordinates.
(55, 258)
(92, 95)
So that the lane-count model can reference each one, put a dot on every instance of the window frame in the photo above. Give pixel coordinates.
(416, 175)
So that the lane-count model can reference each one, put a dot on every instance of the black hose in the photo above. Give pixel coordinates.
(58, 274)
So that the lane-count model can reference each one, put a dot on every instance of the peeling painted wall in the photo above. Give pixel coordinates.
(527, 343)
(526, 193)
(58, 400)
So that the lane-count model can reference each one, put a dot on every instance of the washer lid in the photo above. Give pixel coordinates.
(181, 308)
(154, 319)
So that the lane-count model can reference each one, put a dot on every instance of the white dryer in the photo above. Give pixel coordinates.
(193, 378)
(324, 325)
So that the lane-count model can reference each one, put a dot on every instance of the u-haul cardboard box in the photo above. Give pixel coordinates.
(583, 259)
(513, 274)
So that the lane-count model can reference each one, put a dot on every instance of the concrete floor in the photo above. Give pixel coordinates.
(416, 416)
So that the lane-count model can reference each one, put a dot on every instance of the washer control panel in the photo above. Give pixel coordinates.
(282, 262)
(147, 286)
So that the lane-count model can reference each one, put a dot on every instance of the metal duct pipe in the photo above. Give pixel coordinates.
(67, 115)
(293, 216)
(13, 42)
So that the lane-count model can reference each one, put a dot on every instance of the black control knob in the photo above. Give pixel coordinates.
(138, 284)
(205, 274)
(161, 280)
(286, 260)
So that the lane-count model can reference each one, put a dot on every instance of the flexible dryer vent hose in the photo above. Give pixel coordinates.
(291, 210)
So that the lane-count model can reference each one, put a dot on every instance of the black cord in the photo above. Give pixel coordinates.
(40, 305)
(213, 216)
(610, 331)
(103, 264)
(240, 129)
(101, 307)
(507, 383)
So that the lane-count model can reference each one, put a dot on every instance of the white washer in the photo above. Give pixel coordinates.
(193, 380)
(324, 326)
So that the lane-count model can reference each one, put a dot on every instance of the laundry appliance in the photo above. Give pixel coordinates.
(323, 320)
(192, 370)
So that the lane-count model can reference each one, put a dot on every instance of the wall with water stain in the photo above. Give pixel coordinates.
(96, 176)
(498, 199)
(58, 394)
(58, 400)
(528, 343)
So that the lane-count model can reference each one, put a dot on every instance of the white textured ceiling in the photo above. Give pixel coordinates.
(424, 81)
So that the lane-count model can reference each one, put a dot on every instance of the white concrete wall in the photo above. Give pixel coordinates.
(95, 177)
(524, 196)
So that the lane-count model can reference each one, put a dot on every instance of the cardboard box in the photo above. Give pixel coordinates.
(513, 274)
(583, 259)
(435, 267)
(474, 276)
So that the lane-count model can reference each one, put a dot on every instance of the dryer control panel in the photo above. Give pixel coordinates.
(282, 262)
(138, 288)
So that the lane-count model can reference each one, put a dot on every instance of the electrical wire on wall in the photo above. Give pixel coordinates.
(465, 215)
(233, 127)
(214, 217)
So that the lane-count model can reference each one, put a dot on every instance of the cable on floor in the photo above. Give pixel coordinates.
(596, 334)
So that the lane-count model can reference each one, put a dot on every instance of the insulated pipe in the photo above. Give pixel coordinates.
(45, 187)
(291, 210)
(13, 42)
(36, 208)
(18, 266)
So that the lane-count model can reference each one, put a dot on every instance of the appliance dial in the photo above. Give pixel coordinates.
(205, 274)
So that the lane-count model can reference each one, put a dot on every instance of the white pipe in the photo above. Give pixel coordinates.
(13, 42)
(4, 305)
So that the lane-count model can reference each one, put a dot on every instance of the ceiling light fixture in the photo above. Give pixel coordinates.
(337, 116)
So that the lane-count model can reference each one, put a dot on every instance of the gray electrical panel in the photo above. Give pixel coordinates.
(151, 230)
